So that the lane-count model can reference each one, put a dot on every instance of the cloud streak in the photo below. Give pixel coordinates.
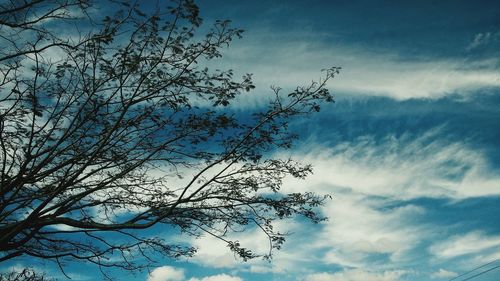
(467, 244)
(403, 167)
(356, 275)
(373, 223)
(292, 62)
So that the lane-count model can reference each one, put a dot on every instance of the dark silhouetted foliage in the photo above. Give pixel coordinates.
(121, 128)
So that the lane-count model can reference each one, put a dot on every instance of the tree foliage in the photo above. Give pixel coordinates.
(121, 127)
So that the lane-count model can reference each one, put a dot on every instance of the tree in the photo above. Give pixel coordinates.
(121, 128)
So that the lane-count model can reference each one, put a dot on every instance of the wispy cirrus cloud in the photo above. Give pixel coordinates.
(171, 273)
(374, 224)
(467, 244)
(356, 275)
(443, 273)
(218, 277)
(360, 230)
(403, 167)
(292, 62)
(482, 39)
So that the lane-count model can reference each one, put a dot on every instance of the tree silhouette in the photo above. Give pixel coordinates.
(121, 127)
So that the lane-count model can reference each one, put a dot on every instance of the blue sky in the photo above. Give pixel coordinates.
(410, 151)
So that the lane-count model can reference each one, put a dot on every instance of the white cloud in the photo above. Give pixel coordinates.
(365, 177)
(169, 273)
(482, 39)
(214, 253)
(483, 258)
(356, 275)
(442, 273)
(402, 168)
(471, 243)
(297, 250)
(359, 228)
(290, 63)
(386, 75)
(259, 269)
(166, 273)
(219, 277)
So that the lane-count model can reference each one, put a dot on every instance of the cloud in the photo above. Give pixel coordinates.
(357, 230)
(166, 273)
(482, 39)
(360, 229)
(219, 277)
(372, 182)
(470, 243)
(356, 275)
(372, 222)
(292, 62)
(387, 75)
(442, 273)
(483, 258)
(401, 168)
(214, 253)
(169, 273)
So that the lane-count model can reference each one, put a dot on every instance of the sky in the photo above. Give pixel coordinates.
(410, 150)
